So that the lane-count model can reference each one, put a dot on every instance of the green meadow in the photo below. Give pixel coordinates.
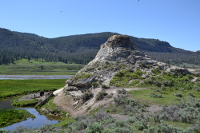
(40, 67)
(9, 88)
(187, 65)
(161, 89)
(10, 116)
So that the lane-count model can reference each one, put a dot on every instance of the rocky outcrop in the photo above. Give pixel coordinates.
(116, 54)
(117, 64)
(45, 99)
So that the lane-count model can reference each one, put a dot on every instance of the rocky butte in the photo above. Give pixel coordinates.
(118, 53)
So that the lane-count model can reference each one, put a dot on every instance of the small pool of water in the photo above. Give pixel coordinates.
(37, 122)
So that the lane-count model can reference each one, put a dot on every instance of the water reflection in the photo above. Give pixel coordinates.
(39, 121)
(6, 104)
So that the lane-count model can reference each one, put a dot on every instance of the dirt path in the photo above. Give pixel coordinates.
(114, 89)
(69, 104)
(66, 103)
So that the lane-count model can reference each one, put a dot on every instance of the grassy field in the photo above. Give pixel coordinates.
(32, 67)
(167, 97)
(9, 88)
(10, 116)
(192, 66)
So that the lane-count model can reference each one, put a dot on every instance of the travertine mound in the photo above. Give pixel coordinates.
(116, 53)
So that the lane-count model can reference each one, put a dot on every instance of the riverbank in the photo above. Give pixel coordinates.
(36, 122)
(10, 116)
(23, 87)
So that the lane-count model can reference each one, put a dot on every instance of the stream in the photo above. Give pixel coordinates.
(37, 122)
(40, 119)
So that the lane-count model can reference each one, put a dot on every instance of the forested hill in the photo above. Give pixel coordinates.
(81, 48)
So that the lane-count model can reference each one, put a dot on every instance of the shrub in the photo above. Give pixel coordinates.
(178, 94)
(128, 110)
(183, 112)
(149, 130)
(196, 88)
(132, 119)
(94, 84)
(156, 71)
(86, 96)
(134, 82)
(156, 95)
(99, 116)
(20, 129)
(81, 123)
(164, 128)
(94, 128)
(105, 86)
(140, 125)
(101, 95)
(123, 77)
(118, 127)
(4, 131)
(137, 74)
(122, 101)
(121, 91)
(48, 128)
(195, 127)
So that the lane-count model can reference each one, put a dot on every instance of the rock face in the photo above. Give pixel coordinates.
(118, 48)
(116, 53)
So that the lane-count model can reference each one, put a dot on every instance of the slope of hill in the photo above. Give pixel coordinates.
(156, 97)
(81, 49)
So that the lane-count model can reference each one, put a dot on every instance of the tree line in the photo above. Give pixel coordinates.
(81, 49)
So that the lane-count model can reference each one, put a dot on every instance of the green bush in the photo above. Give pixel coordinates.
(182, 112)
(118, 127)
(140, 125)
(100, 116)
(164, 128)
(105, 86)
(94, 128)
(195, 127)
(81, 123)
(156, 95)
(178, 94)
(101, 95)
(86, 96)
(4, 131)
(122, 91)
(134, 82)
(83, 76)
(123, 77)
(156, 71)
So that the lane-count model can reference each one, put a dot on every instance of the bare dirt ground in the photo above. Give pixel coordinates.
(68, 103)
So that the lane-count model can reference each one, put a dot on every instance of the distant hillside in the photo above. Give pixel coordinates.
(81, 48)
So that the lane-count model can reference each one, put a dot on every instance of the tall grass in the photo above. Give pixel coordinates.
(9, 88)
(10, 116)
(25, 67)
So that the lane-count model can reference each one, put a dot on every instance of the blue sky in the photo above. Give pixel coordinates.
(174, 21)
